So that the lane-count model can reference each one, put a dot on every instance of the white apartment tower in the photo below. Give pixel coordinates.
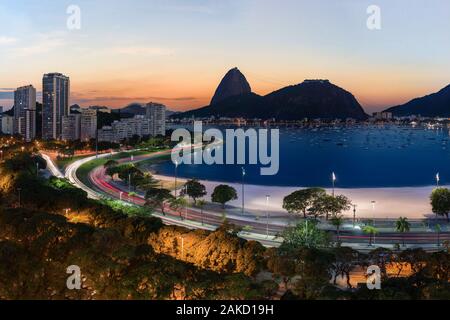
(88, 124)
(156, 113)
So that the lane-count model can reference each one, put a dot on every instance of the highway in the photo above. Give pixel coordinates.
(262, 231)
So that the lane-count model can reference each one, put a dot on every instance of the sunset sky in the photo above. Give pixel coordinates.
(176, 52)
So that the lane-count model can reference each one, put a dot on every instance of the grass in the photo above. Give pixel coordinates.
(83, 171)
(64, 162)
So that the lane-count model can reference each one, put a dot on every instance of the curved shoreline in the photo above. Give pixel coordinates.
(391, 203)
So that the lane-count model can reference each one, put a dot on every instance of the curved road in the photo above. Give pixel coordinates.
(193, 218)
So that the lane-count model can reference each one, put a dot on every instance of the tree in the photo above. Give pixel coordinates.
(156, 198)
(145, 181)
(402, 225)
(194, 189)
(111, 163)
(371, 231)
(304, 234)
(440, 201)
(201, 204)
(337, 221)
(177, 204)
(345, 259)
(301, 201)
(223, 194)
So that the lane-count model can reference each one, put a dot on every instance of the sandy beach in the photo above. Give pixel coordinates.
(411, 202)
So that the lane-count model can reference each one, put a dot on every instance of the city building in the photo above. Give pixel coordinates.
(7, 124)
(129, 127)
(88, 124)
(106, 134)
(382, 115)
(25, 112)
(55, 104)
(157, 114)
(71, 127)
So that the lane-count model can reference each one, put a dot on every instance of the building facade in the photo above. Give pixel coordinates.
(71, 127)
(25, 112)
(55, 104)
(7, 124)
(156, 113)
(88, 124)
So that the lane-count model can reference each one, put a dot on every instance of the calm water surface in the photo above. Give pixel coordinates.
(361, 156)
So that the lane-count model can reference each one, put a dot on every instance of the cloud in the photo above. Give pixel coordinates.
(7, 40)
(142, 50)
(190, 8)
(6, 95)
(44, 43)
(119, 98)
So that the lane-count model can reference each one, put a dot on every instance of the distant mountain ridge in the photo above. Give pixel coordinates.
(309, 99)
(432, 105)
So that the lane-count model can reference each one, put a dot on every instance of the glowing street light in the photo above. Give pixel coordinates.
(373, 212)
(243, 190)
(333, 179)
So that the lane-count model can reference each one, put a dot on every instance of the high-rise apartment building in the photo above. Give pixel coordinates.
(7, 124)
(71, 127)
(25, 112)
(156, 113)
(55, 104)
(88, 124)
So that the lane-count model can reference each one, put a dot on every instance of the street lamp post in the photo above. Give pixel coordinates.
(120, 195)
(176, 174)
(373, 217)
(243, 190)
(437, 180)
(129, 183)
(333, 179)
(185, 204)
(267, 216)
(1, 155)
(354, 215)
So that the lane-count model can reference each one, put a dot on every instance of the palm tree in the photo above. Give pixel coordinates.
(201, 204)
(402, 225)
(371, 231)
(337, 221)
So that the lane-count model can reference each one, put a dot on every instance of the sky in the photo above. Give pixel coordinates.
(176, 52)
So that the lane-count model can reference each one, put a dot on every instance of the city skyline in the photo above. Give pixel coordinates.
(176, 52)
